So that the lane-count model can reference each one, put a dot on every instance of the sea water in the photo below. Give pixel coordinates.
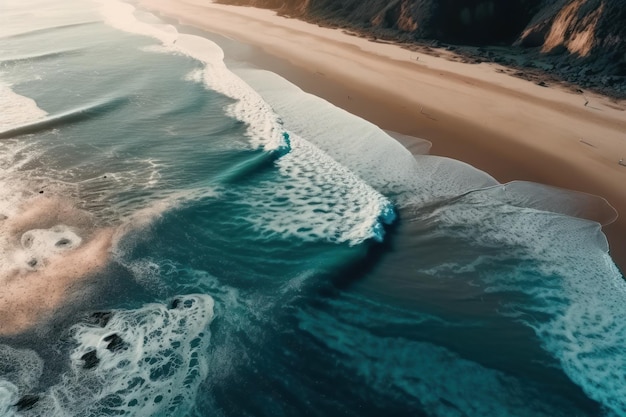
(183, 237)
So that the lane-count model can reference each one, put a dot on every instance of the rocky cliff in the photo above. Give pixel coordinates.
(592, 31)
(581, 41)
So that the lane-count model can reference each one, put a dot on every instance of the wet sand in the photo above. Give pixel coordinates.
(506, 126)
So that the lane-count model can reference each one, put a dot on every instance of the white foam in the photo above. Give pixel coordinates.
(49, 246)
(38, 245)
(9, 395)
(17, 110)
(316, 199)
(28, 241)
(13, 156)
(362, 147)
(21, 370)
(23, 367)
(415, 145)
(438, 381)
(575, 296)
(556, 200)
(263, 127)
(150, 362)
(121, 16)
(145, 212)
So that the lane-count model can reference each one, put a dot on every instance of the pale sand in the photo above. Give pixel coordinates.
(509, 127)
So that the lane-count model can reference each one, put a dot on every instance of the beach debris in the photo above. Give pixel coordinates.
(426, 114)
(621, 162)
(587, 143)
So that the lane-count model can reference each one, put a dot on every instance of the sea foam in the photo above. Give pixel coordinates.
(423, 376)
(545, 224)
(264, 129)
(575, 297)
(16, 110)
(144, 362)
(24, 368)
(363, 148)
(317, 198)
(383, 163)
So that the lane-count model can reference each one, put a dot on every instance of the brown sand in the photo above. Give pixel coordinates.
(508, 127)
(30, 297)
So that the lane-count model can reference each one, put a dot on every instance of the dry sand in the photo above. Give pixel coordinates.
(509, 127)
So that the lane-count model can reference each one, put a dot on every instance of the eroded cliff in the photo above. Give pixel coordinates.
(580, 41)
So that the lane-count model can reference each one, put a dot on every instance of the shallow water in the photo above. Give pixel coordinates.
(179, 237)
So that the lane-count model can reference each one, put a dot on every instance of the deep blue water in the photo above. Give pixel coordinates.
(267, 254)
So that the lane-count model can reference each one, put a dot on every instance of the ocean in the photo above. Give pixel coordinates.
(184, 234)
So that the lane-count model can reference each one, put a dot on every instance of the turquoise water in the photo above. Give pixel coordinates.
(225, 244)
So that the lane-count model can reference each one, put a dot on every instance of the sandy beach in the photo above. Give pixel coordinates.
(506, 126)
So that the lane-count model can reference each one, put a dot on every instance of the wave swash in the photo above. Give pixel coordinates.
(182, 238)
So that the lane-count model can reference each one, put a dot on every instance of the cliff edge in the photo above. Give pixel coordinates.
(582, 42)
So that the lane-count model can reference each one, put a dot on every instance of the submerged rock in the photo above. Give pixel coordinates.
(116, 343)
(100, 318)
(175, 303)
(90, 360)
(26, 402)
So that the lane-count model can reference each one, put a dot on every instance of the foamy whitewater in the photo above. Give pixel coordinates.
(184, 235)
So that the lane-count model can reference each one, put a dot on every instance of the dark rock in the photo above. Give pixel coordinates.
(116, 343)
(100, 318)
(32, 263)
(41, 192)
(90, 360)
(26, 402)
(175, 303)
(542, 84)
(467, 21)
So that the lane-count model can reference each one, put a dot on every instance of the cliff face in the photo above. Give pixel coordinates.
(467, 21)
(589, 31)
(578, 38)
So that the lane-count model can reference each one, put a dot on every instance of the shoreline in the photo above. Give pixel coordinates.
(511, 128)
